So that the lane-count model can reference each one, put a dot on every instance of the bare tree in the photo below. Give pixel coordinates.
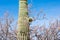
(7, 27)
(50, 33)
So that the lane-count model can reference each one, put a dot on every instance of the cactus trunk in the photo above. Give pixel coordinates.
(23, 22)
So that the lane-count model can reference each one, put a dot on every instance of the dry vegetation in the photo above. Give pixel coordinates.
(7, 27)
(50, 33)
(8, 30)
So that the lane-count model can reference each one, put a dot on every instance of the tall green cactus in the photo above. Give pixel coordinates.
(23, 21)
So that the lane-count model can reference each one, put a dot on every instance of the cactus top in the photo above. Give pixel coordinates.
(23, 0)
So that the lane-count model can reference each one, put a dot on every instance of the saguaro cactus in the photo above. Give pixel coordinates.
(23, 21)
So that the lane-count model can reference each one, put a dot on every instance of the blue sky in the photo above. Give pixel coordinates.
(50, 7)
(9, 5)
